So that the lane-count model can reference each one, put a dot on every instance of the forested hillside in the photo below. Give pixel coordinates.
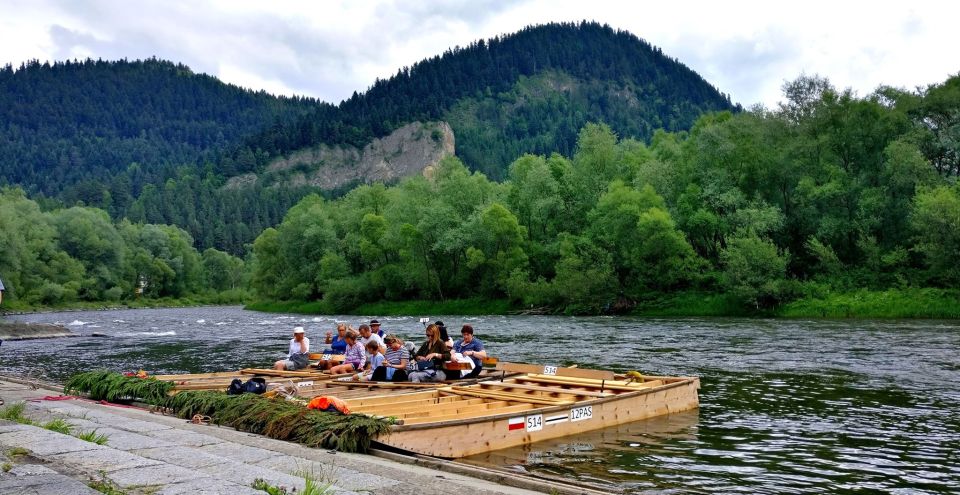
(582, 72)
(72, 126)
(829, 193)
(153, 142)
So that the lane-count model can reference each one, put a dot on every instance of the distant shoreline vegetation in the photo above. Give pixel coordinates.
(860, 304)
(830, 206)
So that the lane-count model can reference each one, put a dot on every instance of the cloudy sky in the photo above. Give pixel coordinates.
(328, 49)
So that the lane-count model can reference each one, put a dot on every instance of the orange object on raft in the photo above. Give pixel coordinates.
(324, 403)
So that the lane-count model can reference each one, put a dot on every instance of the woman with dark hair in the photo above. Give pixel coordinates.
(430, 358)
(444, 336)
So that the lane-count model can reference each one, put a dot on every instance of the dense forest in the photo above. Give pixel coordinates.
(153, 142)
(78, 254)
(827, 192)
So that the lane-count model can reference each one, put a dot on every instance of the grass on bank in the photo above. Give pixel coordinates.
(892, 303)
(93, 437)
(14, 412)
(692, 304)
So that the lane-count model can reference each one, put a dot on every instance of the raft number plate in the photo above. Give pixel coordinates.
(535, 422)
(325, 357)
(549, 370)
(581, 413)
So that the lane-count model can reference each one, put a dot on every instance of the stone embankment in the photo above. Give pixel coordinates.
(151, 453)
(14, 330)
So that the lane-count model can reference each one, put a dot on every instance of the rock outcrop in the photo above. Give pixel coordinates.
(406, 151)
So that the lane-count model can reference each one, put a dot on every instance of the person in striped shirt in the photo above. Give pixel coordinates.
(394, 368)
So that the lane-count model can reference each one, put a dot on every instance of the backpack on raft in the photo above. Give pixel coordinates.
(255, 385)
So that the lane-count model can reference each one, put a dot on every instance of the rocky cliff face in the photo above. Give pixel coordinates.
(409, 150)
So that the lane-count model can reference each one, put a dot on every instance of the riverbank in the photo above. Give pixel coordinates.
(220, 299)
(142, 452)
(911, 303)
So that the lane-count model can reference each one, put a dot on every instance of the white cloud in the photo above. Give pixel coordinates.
(330, 49)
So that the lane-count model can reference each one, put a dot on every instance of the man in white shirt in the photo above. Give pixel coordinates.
(366, 335)
(297, 357)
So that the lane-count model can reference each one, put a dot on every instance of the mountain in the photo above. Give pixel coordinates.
(527, 92)
(152, 141)
(67, 123)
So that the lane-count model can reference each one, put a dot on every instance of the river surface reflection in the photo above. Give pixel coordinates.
(789, 406)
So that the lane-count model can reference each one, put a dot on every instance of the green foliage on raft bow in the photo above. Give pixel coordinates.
(283, 420)
(272, 417)
(114, 387)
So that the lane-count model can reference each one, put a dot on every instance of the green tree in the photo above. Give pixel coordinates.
(754, 270)
(936, 221)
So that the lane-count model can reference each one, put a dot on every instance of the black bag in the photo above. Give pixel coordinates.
(236, 387)
(255, 385)
(426, 365)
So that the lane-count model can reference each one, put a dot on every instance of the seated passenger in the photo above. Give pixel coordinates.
(375, 328)
(297, 357)
(394, 367)
(374, 360)
(353, 358)
(336, 345)
(472, 348)
(367, 335)
(430, 358)
(444, 337)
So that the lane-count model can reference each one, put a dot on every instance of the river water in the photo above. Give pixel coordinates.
(787, 406)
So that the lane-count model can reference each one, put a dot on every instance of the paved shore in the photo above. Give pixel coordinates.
(148, 453)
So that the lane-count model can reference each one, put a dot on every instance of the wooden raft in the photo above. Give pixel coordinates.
(545, 402)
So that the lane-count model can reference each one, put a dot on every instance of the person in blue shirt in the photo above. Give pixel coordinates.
(375, 328)
(472, 348)
(336, 345)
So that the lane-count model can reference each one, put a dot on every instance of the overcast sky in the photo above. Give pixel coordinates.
(329, 49)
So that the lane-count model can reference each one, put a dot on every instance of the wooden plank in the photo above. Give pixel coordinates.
(554, 390)
(383, 385)
(318, 356)
(316, 375)
(412, 406)
(606, 386)
(556, 371)
(380, 399)
(420, 403)
(456, 366)
(489, 361)
(462, 410)
(533, 399)
(189, 376)
(477, 414)
(389, 410)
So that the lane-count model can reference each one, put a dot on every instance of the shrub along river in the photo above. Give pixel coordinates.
(787, 406)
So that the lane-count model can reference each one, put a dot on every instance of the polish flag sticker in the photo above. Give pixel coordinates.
(515, 423)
